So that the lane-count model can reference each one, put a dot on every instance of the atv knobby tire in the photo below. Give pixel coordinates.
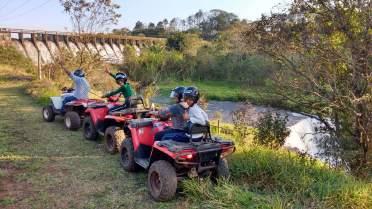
(48, 113)
(72, 121)
(89, 129)
(127, 155)
(162, 180)
(222, 170)
(114, 136)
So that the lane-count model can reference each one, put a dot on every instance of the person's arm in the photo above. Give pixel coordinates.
(61, 63)
(112, 93)
(108, 72)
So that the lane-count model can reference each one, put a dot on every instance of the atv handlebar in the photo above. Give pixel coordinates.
(67, 90)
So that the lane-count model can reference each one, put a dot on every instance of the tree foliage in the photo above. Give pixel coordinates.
(91, 15)
(323, 49)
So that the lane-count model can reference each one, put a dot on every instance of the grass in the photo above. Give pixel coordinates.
(218, 90)
(226, 91)
(45, 166)
(267, 178)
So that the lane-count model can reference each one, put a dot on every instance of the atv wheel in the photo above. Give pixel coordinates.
(222, 170)
(113, 138)
(162, 180)
(89, 129)
(127, 155)
(48, 114)
(72, 121)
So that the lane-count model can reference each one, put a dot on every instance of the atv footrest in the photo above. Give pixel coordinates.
(143, 162)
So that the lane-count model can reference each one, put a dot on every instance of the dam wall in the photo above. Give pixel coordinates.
(43, 46)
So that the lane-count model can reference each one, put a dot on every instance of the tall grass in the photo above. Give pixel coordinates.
(268, 178)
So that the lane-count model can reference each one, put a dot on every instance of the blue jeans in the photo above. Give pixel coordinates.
(121, 107)
(172, 134)
(67, 99)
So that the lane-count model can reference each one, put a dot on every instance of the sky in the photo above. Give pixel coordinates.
(49, 15)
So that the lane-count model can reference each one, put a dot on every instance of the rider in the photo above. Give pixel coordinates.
(81, 88)
(177, 94)
(191, 96)
(178, 113)
(192, 112)
(197, 115)
(125, 89)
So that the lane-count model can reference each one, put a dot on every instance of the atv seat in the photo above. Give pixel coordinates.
(193, 129)
(139, 123)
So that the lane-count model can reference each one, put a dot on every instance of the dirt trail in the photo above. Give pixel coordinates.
(42, 165)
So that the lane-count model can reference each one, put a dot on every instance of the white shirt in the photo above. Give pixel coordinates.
(82, 87)
(198, 116)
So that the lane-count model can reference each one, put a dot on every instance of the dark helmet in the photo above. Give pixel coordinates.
(191, 93)
(121, 76)
(79, 72)
(177, 93)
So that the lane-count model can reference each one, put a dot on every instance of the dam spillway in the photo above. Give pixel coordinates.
(43, 46)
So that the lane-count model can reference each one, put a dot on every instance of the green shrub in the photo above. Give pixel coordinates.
(271, 130)
(10, 56)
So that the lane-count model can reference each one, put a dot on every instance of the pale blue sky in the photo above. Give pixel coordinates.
(48, 14)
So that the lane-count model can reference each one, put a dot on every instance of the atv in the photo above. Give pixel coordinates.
(73, 112)
(169, 161)
(112, 124)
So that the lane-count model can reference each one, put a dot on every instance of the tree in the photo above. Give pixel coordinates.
(139, 26)
(173, 25)
(121, 31)
(91, 15)
(199, 17)
(151, 26)
(216, 21)
(323, 49)
(165, 23)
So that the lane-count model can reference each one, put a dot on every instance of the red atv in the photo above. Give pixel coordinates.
(112, 125)
(169, 161)
(73, 111)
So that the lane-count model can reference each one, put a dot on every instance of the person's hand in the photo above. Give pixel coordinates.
(61, 61)
(186, 116)
(106, 68)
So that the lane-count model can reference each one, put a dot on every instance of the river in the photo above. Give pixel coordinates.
(303, 130)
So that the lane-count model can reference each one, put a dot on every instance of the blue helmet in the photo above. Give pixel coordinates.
(191, 93)
(79, 72)
(177, 93)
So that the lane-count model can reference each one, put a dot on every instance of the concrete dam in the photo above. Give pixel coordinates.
(43, 46)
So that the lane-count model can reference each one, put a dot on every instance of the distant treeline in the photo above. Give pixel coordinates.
(208, 24)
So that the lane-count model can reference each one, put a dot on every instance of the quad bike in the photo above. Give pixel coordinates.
(112, 125)
(73, 112)
(169, 161)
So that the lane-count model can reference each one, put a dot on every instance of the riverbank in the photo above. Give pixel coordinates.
(227, 91)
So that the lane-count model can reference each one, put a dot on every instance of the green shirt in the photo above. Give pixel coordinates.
(125, 89)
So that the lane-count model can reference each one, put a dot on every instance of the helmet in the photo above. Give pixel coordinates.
(177, 93)
(79, 72)
(120, 76)
(191, 93)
